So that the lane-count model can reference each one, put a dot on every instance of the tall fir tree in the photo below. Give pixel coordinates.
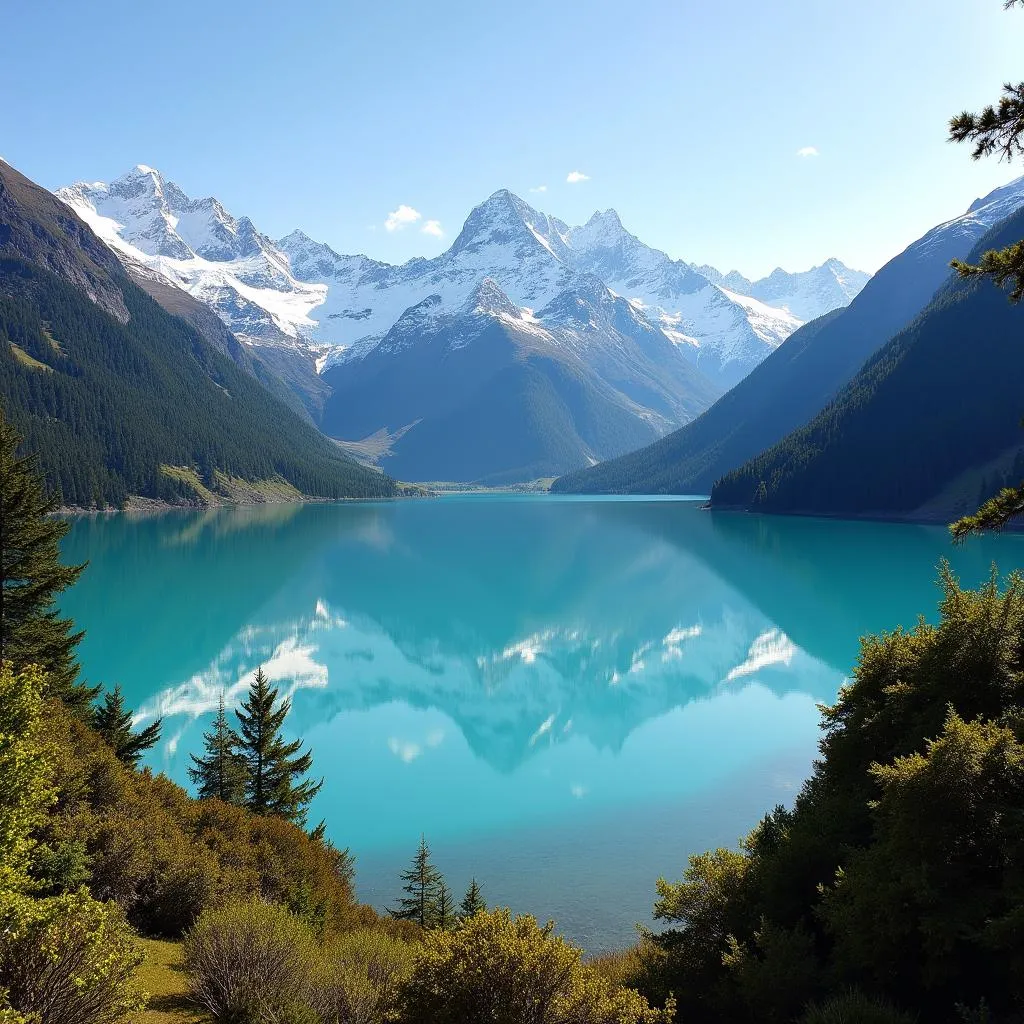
(275, 770)
(31, 630)
(444, 907)
(113, 721)
(473, 902)
(221, 772)
(422, 886)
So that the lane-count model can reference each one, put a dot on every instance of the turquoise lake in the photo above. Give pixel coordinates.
(566, 696)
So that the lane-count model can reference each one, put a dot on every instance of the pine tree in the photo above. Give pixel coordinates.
(274, 769)
(221, 774)
(422, 887)
(444, 907)
(114, 723)
(997, 129)
(31, 631)
(473, 901)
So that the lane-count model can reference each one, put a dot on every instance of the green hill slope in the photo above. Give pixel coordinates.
(120, 398)
(802, 375)
(939, 401)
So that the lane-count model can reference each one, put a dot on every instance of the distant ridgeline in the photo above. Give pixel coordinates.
(926, 424)
(120, 398)
(810, 368)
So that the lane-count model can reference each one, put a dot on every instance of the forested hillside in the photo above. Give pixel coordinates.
(120, 398)
(803, 374)
(943, 398)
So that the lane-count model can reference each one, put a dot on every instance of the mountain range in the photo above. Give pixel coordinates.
(121, 399)
(800, 378)
(586, 342)
(933, 413)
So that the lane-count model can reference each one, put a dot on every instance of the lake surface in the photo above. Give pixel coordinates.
(566, 696)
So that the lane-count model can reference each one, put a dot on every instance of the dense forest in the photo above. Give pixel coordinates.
(939, 400)
(107, 404)
(119, 398)
(789, 387)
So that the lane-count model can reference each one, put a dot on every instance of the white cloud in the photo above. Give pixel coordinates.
(432, 227)
(806, 151)
(578, 791)
(402, 217)
(539, 188)
(574, 177)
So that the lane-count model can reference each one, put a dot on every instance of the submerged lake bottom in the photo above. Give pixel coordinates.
(566, 696)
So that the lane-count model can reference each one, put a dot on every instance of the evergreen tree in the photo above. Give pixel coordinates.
(221, 773)
(31, 630)
(114, 723)
(422, 887)
(444, 907)
(999, 129)
(473, 901)
(275, 770)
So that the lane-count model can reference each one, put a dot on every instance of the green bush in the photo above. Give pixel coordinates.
(166, 857)
(253, 962)
(855, 1008)
(499, 970)
(363, 976)
(68, 960)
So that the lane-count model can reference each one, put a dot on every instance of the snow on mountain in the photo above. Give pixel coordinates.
(812, 293)
(983, 213)
(198, 246)
(805, 295)
(300, 293)
(724, 335)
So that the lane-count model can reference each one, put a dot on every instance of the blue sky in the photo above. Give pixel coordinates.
(685, 116)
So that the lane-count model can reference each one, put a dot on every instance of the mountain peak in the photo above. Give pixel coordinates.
(489, 298)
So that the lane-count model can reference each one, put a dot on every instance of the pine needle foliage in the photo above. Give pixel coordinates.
(275, 783)
(422, 887)
(221, 772)
(473, 902)
(115, 723)
(32, 574)
(997, 129)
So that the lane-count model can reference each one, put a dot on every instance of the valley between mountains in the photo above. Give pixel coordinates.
(160, 348)
(527, 349)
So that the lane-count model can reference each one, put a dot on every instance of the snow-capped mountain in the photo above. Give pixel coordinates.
(300, 293)
(725, 334)
(585, 340)
(806, 295)
(495, 392)
(199, 247)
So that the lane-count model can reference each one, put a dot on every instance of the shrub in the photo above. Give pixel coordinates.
(252, 963)
(363, 978)
(165, 857)
(25, 772)
(496, 969)
(854, 1008)
(68, 960)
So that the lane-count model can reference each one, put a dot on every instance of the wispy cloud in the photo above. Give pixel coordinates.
(539, 188)
(401, 218)
(806, 151)
(432, 227)
(575, 177)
